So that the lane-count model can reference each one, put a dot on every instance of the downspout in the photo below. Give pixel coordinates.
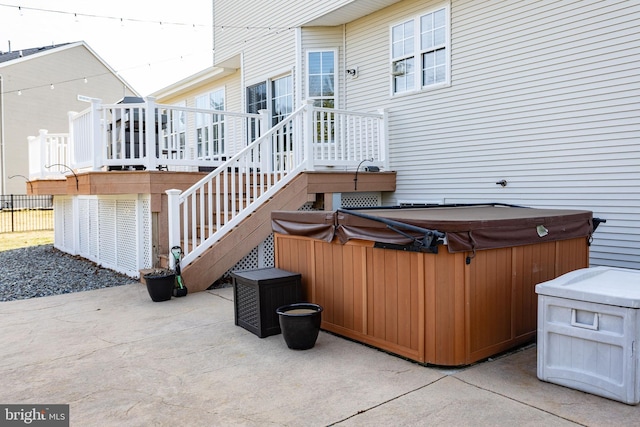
(344, 66)
(213, 32)
(2, 149)
(298, 70)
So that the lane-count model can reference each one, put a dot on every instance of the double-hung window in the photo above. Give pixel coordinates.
(174, 133)
(321, 74)
(210, 126)
(420, 52)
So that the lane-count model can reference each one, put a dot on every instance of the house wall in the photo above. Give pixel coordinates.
(543, 95)
(40, 107)
(263, 24)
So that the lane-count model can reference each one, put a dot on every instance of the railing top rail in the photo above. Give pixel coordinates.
(346, 112)
(180, 108)
(81, 113)
(207, 110)
(57, 135)
(239, 154)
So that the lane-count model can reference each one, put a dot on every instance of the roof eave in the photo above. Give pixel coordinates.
(349, 12)
(187, 84)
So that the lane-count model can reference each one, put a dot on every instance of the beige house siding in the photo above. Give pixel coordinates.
(40, 107)
(543, 94)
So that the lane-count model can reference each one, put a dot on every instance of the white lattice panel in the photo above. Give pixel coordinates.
(107, 232)
(266, 253)
(94, 234)
(127, 235)
(58, 218)
(84, 228)
(145, 212)
(249, 262)
(361, 200)
(68, 227)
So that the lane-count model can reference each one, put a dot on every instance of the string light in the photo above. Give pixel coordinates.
(271, 30)
(121, 20)
(76, 15)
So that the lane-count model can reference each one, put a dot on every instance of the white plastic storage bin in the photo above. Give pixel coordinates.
(589, 332)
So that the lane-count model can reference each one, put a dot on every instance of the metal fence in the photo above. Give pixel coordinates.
(19, 212)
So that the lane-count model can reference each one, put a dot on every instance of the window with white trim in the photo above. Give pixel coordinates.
(321, 88)
(210, 126)
(175, 133)
(321, 74)
(420, 52)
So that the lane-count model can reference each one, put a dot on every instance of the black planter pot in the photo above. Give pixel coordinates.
(160, 287)
(300, 324)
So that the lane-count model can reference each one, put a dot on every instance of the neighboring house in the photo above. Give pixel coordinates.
(532, 103)
(39, 87)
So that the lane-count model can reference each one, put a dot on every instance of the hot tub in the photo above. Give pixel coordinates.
(446, 285)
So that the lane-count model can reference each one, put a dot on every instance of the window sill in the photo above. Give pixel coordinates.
(422, 90)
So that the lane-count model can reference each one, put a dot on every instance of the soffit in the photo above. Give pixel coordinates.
(349, 12)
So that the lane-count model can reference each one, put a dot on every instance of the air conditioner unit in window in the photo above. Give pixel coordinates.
(398, 69)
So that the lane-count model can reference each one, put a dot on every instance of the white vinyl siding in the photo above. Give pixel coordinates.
(544, 95)
(266, 34)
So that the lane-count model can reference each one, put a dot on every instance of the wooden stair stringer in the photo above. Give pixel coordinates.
(236, 244)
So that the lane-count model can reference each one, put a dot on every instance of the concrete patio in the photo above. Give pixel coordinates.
(119, 359)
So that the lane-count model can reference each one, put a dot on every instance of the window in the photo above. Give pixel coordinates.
(282, 98)
(421, 42)
(273, 95)
(209, 126)
(256, 101)
(175, 138)
(276, 96)
(321, 71)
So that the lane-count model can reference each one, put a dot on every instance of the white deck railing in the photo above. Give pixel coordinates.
(146, 136)
(250, 162)
(48, 155)
(201, 215)
(345, 138)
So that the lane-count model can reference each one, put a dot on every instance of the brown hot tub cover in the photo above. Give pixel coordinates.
(467, 228)
(319, 225)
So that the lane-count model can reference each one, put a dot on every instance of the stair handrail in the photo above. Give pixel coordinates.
(194, 208)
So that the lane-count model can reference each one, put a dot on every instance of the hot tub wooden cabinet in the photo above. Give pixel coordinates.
(439, 308)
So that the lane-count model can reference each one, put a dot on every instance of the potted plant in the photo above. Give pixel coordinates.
(160, 284)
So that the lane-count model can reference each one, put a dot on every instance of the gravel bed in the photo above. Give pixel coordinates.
(39, 271)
